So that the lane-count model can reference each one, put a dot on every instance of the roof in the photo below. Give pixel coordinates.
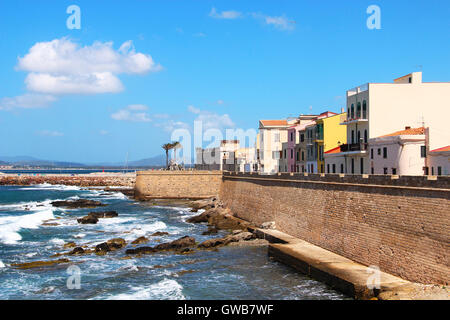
(406, 132)
(274, 122)
(447, 148)
(334, 150)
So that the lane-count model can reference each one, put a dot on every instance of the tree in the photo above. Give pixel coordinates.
(167, 147)
(176, 145)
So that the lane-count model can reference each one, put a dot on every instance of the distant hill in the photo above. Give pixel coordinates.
(31, 161)
(155, 161)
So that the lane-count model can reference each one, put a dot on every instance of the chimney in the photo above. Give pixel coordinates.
(342, 110)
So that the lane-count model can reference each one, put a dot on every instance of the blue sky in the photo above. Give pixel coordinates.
(242, 61)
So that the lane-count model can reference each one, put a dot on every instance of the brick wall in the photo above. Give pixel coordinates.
(177, 184)
(401, 225)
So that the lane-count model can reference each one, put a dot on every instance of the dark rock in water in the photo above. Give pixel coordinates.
(140, 240)
(39, 264)
(175, 245)
(203, 217)
(77, 250)
(116, 243)
(211, 243)
(159, 234)
(110, 245)
(210, 231)
(80, 203)
(87, 220)
(103, 214)
(102, 247)
(69, 245)
(141, 250)
(235, 237)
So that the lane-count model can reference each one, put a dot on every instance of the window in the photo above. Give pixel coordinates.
(371, 153)
(364, 109)
(321, 169)
(292, 136)
(352, 112)
(303, 156)
(353, 136)
(334, 168)
(423, 151)
(302, 137)
(359, 137)
(379, 151)
(328, 168)
(292, 153)
(385, 171)
(372, 170)
(365, 136)
(426, 170)
(432, 171)
(297, 156)
(353, 166)
(409, 80)
(394, 170)
(439, 171)
(385, 153)
(276, 137)
(284, 153)
(342, 168)
(361, 166)
(358, 110)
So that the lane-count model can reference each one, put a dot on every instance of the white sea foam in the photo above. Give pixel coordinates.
(58, 242)
(79, 235)
(2, 265)
(149, 228)
(11, 225)
(165, 289)
(27, 206)
(47, 186)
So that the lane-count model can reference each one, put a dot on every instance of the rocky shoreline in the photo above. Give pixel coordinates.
(94, 180)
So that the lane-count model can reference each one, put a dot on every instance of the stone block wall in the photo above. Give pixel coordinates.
(400, 224)
(177, 184)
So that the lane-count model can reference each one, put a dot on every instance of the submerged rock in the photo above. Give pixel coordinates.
(75, 204)
(77, 250)
(39, 264)
(210, 231)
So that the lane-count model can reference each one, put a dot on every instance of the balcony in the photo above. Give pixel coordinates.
(352, 147)
(347, 120)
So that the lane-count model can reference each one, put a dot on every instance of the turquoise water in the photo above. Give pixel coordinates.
(228, 273)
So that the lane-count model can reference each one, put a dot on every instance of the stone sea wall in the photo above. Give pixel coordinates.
(400, 224)
(177, 184)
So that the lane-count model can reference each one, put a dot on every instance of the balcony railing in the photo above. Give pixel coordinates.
(353, 147)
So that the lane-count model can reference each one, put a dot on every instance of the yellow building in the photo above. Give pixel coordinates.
(330, 134)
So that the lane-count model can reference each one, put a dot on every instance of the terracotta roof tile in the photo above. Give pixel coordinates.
(274, 122)
(447, 148)
(406, 132)
(334, 150)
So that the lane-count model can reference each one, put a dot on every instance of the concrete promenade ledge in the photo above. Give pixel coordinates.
(341, 273)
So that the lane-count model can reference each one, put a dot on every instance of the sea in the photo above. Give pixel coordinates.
(233, 272)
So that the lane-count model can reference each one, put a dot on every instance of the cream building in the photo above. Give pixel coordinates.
(216, 158)
(377, 109)
(272, 134)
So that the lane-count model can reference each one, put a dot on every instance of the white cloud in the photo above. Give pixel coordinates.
(61, 66)
(27, 101)
(220, 101)
(132, 113)
(49, 133)
(171, 125)
(224, 14)
(211, 120)
(103, 132)
(281, 23)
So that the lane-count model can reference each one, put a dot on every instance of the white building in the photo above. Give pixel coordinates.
(216, 158)
(377, 109)
(399, 153)
(439, 161)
